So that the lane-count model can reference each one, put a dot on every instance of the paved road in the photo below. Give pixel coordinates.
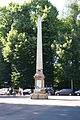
(55, 108)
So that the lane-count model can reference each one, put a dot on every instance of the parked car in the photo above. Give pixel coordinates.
(50, 90)
(77, 93)
(3, 91)
(64, 92)
(27, 91)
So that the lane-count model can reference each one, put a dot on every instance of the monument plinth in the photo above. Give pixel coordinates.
(39, 76)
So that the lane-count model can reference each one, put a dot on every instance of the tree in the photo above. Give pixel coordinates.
(75, 45)
(67, 65)
(18, 38)
(4, 72)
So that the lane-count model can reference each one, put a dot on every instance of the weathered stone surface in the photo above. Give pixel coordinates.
(39, 95)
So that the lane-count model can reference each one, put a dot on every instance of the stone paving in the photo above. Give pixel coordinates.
(55, 108)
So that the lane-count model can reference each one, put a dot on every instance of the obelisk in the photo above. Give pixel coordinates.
(39, 76)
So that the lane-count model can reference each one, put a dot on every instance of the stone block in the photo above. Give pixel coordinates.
(39, 96)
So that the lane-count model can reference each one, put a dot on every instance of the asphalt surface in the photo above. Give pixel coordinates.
(55, 108)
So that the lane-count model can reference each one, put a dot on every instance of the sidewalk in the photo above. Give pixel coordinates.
(52, 100)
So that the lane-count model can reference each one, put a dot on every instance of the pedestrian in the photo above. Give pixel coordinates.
(20, 91)
(10, 90)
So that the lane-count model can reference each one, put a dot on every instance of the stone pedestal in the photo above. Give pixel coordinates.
(39, 92)
(39, 79)
(37, 95)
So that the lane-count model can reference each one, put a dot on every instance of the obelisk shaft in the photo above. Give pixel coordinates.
(39, 61)
(39, 92)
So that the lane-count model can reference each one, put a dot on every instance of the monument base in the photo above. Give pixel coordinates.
(39, 95)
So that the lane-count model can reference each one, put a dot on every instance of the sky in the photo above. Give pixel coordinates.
(58, 3)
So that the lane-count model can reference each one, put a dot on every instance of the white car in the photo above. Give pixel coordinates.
(27, 91)
(77, 93)
(3, 91)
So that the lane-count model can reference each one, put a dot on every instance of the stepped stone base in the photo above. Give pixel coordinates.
(37, 95)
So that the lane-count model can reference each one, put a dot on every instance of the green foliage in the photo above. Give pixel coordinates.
(61, 45)
(67, 65)
(4, 72)
(18, 35)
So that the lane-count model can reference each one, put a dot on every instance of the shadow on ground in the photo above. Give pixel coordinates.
(37, 112)
(14, 96)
